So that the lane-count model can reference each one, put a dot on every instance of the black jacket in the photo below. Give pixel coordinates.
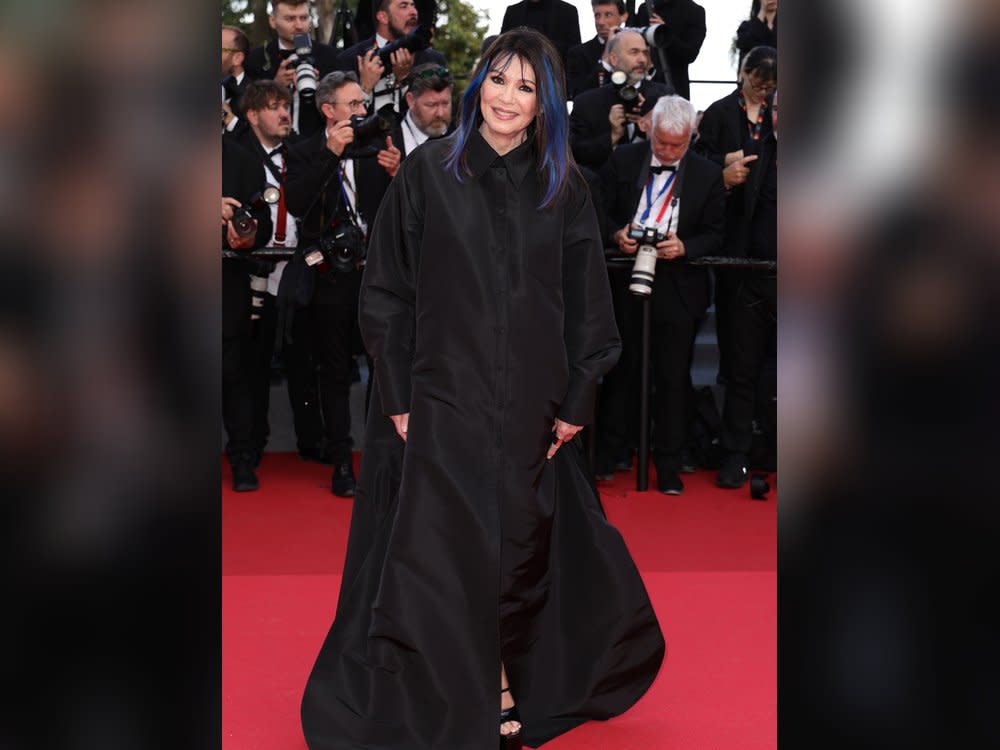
(556, 19)
(755, 33)
(313, 194)
(243, 177)
(486, 318)
(700, 226)
(582, 64)
(686, 21)
(723, 130)
(589, 127)
(263, 62)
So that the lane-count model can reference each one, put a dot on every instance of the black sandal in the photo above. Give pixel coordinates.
(510, 741)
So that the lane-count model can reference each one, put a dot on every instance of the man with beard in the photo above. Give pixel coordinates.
(428, 108)
(275, 61)
(394, 19)
(599, 121)
(585, 65)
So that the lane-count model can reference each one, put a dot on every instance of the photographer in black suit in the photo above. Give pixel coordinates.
(235, 47)
(684, 21)
(599, 121)
(335, 193)
(661, 185)
(394, 19)
(242, 179)
(585, 66)
(275, 60)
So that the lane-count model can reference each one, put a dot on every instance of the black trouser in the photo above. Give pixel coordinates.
(328, 328)
(671, 345)
(260, 376)
(727, 282)
(237, 400)
(618, 409)
(752, 328)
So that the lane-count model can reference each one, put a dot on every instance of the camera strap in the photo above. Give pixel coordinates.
(345, 183)
(667, 186)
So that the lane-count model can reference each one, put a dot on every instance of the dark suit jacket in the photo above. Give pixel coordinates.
(700, 226)
(556, 19)
(313, 194)
(723, 129)
(590, 130)
(686, 21)
(242, 177)
(582, 62)
(397, 137)
(755, 33)
(263, 62)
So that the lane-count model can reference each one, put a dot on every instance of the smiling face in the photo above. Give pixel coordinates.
(508, 101)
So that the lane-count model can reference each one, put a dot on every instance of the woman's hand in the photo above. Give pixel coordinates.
(561, 433)
(401, 422)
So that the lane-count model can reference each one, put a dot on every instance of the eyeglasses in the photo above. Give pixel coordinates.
(765, 87)
(353, 104)
(231, 49)
(432, 72)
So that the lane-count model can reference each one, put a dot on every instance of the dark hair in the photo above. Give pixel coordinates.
(293, 3)
(240, 41)
(762, 61)
(429, 77)
(259, 94)
(553, 158)
(620, 4)
(330, 84)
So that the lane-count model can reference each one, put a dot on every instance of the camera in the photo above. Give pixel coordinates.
(243, 221)
(627, 95)
(656, 34)
(416, 41)
(343, 249)
(370, 132)
(644, 268)
(305, 74)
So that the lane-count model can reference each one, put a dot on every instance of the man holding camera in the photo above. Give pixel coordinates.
(609, 116)
(666, 205)
(337, 194)
(245, 226)
(278, 60)
(678, 45)
(382, 75)
(585, 65)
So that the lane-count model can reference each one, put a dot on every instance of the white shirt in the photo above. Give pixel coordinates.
(412, 135)
(658, 195)
(291, 227)
(350, 188)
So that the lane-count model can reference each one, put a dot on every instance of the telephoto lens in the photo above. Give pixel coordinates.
(305, 73)
(656, 34)
(644, 268)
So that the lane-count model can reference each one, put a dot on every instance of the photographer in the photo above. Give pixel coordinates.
(661, 186)
(394, 20)
(556, 19)
(684, 21)
(277, 60)
(585, 65)
(601, 120)
(334, 194)
(242, 179)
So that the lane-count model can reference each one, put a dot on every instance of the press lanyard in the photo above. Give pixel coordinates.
(649, 197)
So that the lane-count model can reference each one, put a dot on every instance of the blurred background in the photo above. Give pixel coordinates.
(888, 372)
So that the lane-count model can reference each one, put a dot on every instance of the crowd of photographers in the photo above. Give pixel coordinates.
(313, 135)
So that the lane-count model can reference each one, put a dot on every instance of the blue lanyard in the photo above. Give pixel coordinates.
(649, 195)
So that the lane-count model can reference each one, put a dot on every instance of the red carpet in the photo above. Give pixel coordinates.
(707, 557)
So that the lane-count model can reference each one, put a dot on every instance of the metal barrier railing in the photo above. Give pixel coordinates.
(614, 260)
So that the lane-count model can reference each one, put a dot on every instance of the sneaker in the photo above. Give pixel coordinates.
(688, 463)
(733, 473)
(668, 482)
(343, 483)
(244, 478)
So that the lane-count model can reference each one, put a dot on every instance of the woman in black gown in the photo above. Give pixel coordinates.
(479, 552)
